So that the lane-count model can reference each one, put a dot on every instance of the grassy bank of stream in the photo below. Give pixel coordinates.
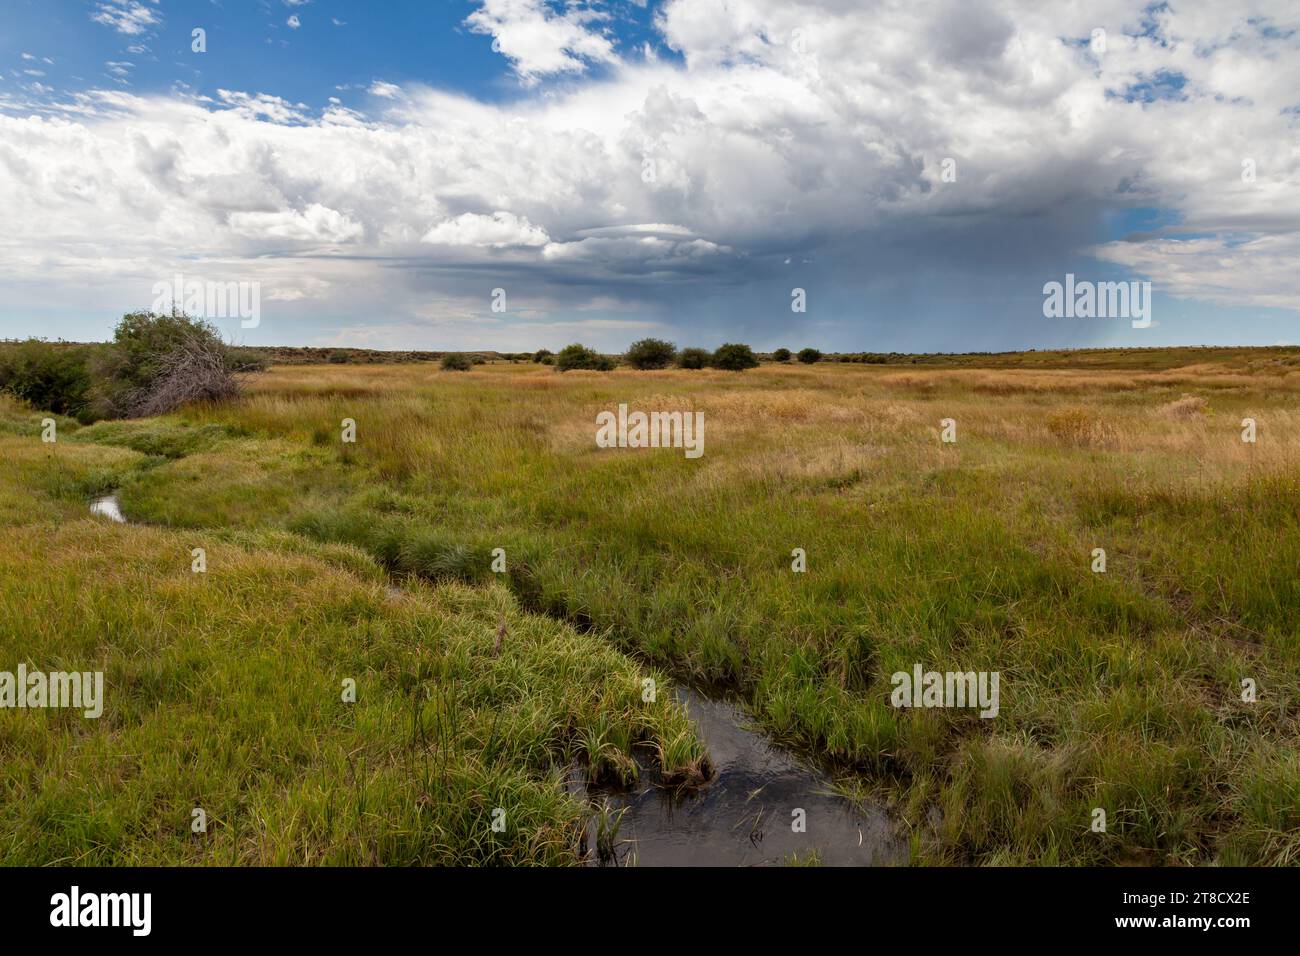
(225, 689)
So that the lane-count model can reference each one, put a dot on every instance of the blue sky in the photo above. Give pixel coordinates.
(250, 45)
(667, 167)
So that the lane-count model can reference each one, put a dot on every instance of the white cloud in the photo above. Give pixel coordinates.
(539, 40)
(263, 105)
(293, 22)
(126, 16)
(315, 223)
(1259, 271)
(643, 254)
(497, 231)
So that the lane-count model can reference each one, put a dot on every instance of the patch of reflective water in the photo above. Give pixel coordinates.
(762, 807)
(109, 507)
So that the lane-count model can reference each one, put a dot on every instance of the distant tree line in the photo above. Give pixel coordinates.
(651, 354)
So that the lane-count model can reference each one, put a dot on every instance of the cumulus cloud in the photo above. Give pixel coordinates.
(540, 39)
(496, 231)
(315, 223)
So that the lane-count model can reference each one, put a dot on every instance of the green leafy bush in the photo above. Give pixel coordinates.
(781, 355)
(809, 356)
(456, 362)
(577, 356)
(734, 357)
(694, 358)
(651, 354)
(51, 376)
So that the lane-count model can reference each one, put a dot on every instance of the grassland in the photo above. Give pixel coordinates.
(225, 689)
(1119, 691)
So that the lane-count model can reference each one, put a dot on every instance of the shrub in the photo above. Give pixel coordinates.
(142, 340)
(809, 356)
(48, 375)
(155, 363)
(158, 362)
(544, 357)
(456, 362)
(734, 357)
(248, 360)
(338, 357)
(577, 356)
(694, 358)
(781, 355)
(651, 354)
(194, 370)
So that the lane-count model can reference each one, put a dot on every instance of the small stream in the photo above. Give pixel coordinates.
(109, 507)
(743, 816)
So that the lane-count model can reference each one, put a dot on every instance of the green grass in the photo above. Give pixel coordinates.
(224, 691)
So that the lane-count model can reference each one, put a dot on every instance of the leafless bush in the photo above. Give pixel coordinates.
(196, 369)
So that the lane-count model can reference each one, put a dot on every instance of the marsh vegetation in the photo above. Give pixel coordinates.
(1120, 690)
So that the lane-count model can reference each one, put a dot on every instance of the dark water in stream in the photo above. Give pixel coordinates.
(742, 817)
